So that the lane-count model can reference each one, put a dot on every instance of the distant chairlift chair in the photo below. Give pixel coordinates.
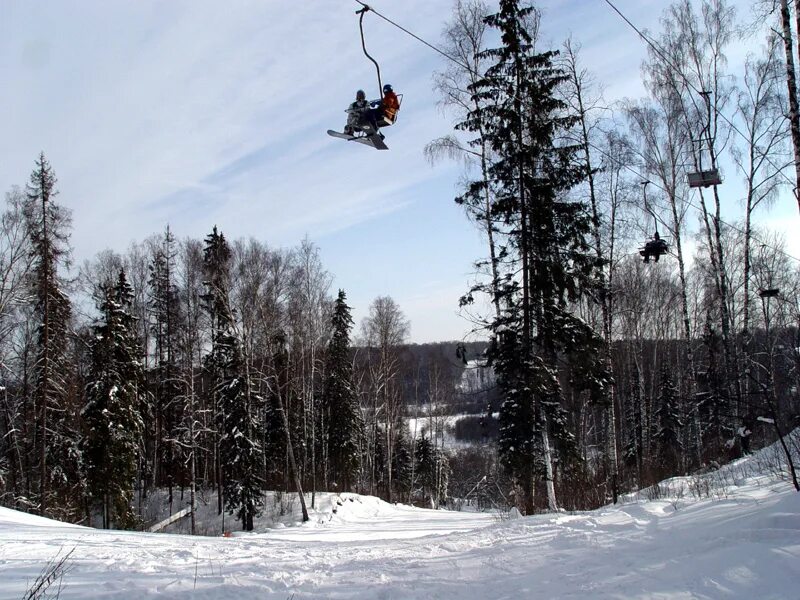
(704, 177)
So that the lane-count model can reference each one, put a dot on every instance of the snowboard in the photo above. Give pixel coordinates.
(372, 139)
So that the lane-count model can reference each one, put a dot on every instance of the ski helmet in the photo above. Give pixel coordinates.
(387, 88)
(361, 95)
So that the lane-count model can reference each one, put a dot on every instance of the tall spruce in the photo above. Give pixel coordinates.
(668, 424)
(238, 407)
(240, 444)
(432, 470)
(216, 261)
(343, 424)
(634, 434)
(48, 227)
(164, 312)
(533, 171)
(111, 416)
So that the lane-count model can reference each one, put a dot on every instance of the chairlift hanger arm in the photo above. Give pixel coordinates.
(647, 204)
(361, 12)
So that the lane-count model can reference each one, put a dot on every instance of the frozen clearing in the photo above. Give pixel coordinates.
(738, 538)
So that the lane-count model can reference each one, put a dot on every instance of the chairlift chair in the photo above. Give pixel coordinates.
(366, 129)
(654, 248)
(704, 178)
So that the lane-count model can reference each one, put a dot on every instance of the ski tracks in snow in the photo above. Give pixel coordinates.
(743, 546)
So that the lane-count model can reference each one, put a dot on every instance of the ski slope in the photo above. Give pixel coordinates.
(732, 534)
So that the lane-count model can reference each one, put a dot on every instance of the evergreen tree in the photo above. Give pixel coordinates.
(532, 171)
(402, 459)
(216, 265)
(632, 453)
(432, 470)
(712, 399)
(111, 416)
(667, 437)
(164, 310)
(48, 228)
(425, 461)
(519, 440)
(343, 422)
(240, 444)
(274, 436)
(237, 405)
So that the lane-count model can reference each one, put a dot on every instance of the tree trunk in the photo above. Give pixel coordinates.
(298, 486)
(552, 505)
(791, 83)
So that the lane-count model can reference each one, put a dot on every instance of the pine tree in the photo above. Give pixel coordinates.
(425, 469)
(237, 405)
(632, 453)
(667, 437)
(402, 459)
(164, 310)
(216, 260)
(240, 444)
(532, 171)
(275, 456)
(712, 400)
(48, 229)
(111, 416)
(519, 440)
(344, 425)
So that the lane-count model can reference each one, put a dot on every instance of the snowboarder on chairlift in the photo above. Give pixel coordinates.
(358, 113)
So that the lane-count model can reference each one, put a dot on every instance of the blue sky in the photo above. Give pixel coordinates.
(200, 112)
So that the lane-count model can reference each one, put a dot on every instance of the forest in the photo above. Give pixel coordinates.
(633, 317)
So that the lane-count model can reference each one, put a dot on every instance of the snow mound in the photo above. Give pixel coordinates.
(12, 519)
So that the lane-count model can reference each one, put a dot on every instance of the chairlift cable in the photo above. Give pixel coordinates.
(595, 147)
(416, 37)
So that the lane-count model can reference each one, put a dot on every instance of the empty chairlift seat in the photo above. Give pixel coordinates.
(704, 178)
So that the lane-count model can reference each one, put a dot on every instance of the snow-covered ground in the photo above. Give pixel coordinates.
(731, 534)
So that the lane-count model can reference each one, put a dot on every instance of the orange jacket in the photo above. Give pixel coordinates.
(390, 105)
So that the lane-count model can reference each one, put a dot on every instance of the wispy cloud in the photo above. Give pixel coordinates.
(199, 112)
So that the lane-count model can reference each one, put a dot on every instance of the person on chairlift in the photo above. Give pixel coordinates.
(655, 248)
(390, 104)
(358, 113)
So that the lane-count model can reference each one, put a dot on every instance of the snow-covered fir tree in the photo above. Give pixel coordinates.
(112, 421)
(532, 170)
(402, 459)
(165, 317)
(667, 437)
(633, 430)
(55, 438)
(237, 404)
(431, 470)
(713, 406)
(343, 423)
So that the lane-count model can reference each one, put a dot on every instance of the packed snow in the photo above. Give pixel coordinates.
(732, 533)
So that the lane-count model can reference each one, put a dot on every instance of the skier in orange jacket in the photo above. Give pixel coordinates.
(390, 104)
